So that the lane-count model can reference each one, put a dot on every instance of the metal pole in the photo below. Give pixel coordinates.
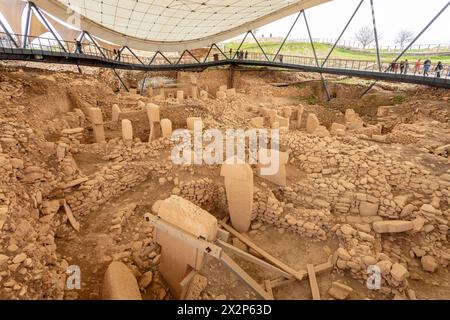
(126, 47)
(412, 42)
(342, 33)
(243, 40)
(259, 45)
(287, 36)
(121, 81)
(8, 34)
(376, 35)
(315, 57)
(27, 27)
(47, 25)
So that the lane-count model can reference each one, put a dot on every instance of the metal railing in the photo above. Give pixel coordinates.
(40, 46)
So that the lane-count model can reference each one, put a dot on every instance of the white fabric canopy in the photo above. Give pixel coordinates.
(172, 25)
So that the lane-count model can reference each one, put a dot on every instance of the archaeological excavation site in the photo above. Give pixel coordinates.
(88, 183)
(208, 162)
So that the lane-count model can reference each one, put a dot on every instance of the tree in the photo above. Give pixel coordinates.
(403, 37)
(365, 36)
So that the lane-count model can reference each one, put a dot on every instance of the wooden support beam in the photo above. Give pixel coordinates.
(253, 259)
(233, 266)
(268, 286)
(186, 283)
(296, 274)
(324, 267)
(313, 282)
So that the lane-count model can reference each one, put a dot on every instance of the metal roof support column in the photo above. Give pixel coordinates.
(412, 42)
(375, 33)
(27, 27)
(324, 83)
(342, 33)
(287, 36)
(47, 25)
(9, 34)
(259, 45)
(243, 40)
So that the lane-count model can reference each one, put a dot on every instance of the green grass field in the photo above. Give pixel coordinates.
(304, 49)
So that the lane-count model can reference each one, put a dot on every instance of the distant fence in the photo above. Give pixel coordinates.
(420, 49)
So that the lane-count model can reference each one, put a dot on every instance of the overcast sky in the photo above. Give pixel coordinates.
(328, 20)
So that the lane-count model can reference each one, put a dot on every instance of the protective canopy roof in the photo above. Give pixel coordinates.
(173, 24)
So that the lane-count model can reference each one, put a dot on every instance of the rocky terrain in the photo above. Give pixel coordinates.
(368, 181)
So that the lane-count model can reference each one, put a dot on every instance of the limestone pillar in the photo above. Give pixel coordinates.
(127, 132)
(115, 113)
(274, 170)
(300, 111)
(194, 92)
(97, 124)
(287, 112)
(154, 118)
(312, 123)
(191, 122)
(166, 128)
(239, 189)
(180, 96)
(178, 258)
(272, 114)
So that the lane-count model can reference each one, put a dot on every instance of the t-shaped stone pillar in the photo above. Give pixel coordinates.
(180, 96)
(153, 113)
(178, 258)
(166, 127)
(97, 124)
(127, 132)
(239, 189)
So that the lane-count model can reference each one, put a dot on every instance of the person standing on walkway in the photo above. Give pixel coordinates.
(426, 67)
(402, 66)
(78, 47)
(417, 67)
(246, 55)
(231, 53)
(406, 66)
(438, 69)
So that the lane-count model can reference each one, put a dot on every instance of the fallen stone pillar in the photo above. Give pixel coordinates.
(273, 168)
(119, 283)
(115, 113)
(127, 132)
(97, 124)
(178, 258)
(287, 112)
(166, 128)
(394, 226)
(239, 190)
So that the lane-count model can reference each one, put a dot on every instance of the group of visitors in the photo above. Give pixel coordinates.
(403, 67)
(240, 54)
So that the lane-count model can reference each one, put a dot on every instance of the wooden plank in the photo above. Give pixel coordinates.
(253, 259)
(186, 283)
(297, 275)
(313, 282)
(324, 267)
(268, 286)
(230, 263)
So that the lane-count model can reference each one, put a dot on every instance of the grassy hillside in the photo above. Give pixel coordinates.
(304, 49)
